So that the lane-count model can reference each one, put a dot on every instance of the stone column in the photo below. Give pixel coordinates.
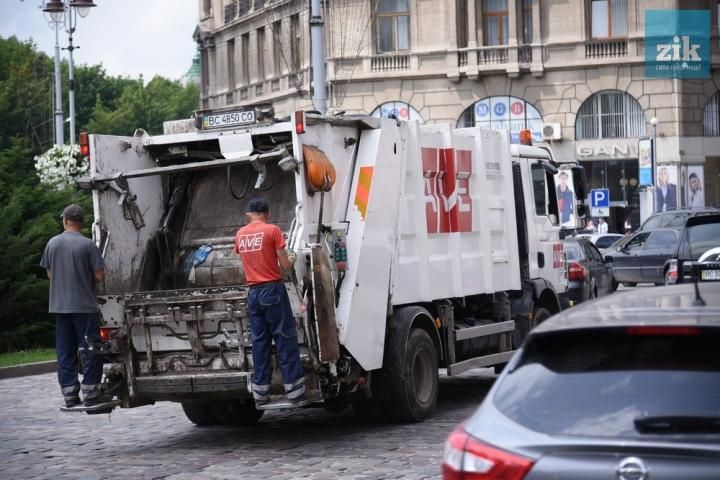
(472, 70)
(537, 50)
(513, 70)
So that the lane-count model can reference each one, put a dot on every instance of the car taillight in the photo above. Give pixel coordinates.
(654, 330)
(671, 276)
(106, 333)
(466, 458)
(576, 272)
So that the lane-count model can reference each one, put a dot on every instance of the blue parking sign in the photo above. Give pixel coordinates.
(600, 197)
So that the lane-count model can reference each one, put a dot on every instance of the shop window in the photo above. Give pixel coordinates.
(610, 114)
(504, 112)
(711, 116)
(608, 18)
(392, 25)
(495, 22)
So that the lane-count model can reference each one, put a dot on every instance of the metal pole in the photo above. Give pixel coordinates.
(59, 133)
(71, 84)
(318, 56)
(654, 167)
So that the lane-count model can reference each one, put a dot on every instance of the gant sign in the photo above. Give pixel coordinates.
(605, 151)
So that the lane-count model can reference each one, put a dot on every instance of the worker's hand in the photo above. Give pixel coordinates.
(292, 257)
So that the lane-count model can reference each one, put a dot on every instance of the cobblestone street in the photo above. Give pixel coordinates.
(158, 442)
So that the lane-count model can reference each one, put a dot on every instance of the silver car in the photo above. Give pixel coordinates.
(626, 387)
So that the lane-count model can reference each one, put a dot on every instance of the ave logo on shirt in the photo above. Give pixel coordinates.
(250, 243)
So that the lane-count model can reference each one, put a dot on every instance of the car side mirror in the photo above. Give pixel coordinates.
(607, 259)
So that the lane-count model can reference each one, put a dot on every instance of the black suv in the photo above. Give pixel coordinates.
(675, 218)
(700, 234)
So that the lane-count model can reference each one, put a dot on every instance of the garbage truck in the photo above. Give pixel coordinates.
(419, 248)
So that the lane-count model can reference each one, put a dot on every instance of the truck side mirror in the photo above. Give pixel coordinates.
(579, 183)
(581, 210)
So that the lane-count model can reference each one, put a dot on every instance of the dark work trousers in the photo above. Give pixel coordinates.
(271, 319)
(70, 332)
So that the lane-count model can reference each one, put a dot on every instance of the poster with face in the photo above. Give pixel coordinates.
(666, 192)
(565, 198)
(694, 187)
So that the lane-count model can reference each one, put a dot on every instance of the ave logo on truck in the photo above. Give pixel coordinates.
(448, 207)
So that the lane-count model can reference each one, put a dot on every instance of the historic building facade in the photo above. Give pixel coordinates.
(572, 71)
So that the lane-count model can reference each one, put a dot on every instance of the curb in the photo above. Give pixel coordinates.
(36, 368)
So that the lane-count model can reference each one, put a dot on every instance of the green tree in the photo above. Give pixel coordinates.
(144, 106)
(29, 211)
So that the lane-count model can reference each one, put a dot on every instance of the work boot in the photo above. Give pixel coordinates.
(73, 401)
(96, 396)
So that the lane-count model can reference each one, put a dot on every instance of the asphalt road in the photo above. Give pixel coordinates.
(158, 442)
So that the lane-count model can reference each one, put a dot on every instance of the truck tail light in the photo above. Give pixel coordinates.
(106, 333)
(466, 458)
(299, 122)
(84, 144)
(576, 272)
(671, 276)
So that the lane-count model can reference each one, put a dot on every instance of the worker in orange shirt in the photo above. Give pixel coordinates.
(261, 247)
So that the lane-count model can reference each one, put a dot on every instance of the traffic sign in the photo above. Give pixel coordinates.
(600, 197)
(600, 202)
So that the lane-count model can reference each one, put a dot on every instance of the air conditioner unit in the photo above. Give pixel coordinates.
(552, 131)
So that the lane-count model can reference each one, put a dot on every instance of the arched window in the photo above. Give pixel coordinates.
(610, 114)
(398, 110)
(711, 116)
(503, 112)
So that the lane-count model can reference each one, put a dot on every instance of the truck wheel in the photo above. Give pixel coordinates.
(236, 412)
(199, 413)
(416, 395)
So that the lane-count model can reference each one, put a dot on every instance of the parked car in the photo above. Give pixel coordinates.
(675, 218)
(700, 235)
(588, 275)
(601, 240)
(626, 387)
(643, 257)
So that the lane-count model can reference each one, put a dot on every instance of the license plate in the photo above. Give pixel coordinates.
(228, 119)
(710, 275)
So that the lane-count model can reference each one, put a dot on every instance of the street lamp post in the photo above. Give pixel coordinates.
(654, 122)
(66, 15)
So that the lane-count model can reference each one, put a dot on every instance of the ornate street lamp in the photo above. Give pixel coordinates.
(83, 6)
(65, 15)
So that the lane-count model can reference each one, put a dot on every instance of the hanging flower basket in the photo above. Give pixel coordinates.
(60, 166)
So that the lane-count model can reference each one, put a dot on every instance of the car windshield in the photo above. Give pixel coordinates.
(599, 382)
(701, 238)
(572, 250)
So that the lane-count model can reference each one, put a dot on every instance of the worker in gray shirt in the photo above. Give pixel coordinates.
(74, 264)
